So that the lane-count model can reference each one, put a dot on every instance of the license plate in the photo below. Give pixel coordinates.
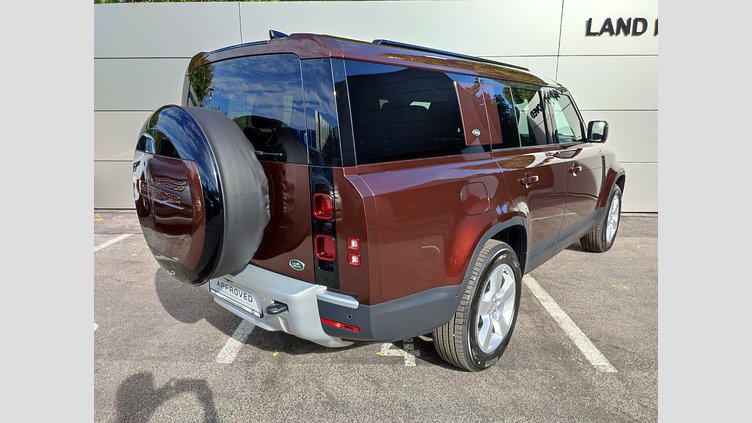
(239, 296)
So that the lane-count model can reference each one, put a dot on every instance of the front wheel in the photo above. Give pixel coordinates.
(602, 238)
(480, 329)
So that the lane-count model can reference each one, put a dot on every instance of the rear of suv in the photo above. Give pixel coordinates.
(346, 191)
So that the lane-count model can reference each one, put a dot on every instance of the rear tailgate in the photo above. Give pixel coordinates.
(287, 239)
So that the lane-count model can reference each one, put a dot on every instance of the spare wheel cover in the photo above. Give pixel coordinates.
(201, 194)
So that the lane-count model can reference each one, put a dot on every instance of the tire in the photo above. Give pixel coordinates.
(460, 342)
(201, 194)
(602, 238)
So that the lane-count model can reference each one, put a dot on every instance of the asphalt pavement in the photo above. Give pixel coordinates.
(164, 351)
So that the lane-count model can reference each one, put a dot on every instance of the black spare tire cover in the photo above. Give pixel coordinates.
(201, 195)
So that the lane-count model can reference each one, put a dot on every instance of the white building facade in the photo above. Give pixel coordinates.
(605, 52)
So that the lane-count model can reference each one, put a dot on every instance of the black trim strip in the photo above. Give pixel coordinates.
(394, 320)
(573, 233)
(322, 181)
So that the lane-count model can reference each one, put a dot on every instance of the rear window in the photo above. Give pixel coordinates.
(401, 113)
(263, 95)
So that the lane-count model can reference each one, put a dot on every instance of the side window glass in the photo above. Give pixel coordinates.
(566, 122)
(507, 115)
(321, 112)
(531, 123)
(401, 113)
(263, 95)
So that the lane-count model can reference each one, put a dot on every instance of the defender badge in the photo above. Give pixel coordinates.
(297, 265)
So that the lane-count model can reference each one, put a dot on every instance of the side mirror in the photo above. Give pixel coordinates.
(597, 131)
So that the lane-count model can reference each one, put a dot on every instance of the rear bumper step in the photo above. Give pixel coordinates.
(301, 318)
(345, 319)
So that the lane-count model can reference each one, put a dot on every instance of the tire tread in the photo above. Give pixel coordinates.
(448, 339)
(595, 240)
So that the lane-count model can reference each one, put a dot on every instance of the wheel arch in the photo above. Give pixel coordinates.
(513, 232)
(615, 177)
(516, 236)
(620, 180)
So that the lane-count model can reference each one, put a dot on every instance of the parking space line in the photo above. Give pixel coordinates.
(408, 352)
(110, 242)
(235, 343)
(578, 337)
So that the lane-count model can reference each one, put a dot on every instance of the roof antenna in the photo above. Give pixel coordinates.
(273, 35)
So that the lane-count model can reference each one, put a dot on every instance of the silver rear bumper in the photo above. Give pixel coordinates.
(302, 316)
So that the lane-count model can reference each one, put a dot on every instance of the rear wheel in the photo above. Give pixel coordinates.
(602, 238)
(480, 329)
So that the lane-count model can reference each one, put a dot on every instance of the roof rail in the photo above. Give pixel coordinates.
(445, 53)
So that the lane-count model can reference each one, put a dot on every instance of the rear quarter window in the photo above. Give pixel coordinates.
(401, 113)
(263, 95)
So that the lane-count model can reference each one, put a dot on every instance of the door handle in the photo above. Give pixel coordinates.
(574, 170)
(528, 180)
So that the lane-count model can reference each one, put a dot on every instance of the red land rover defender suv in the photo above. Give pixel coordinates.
(343, 191)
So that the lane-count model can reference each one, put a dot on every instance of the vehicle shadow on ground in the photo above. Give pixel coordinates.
(577, 247)
(190, 304)
(138, 398)
(426, 352)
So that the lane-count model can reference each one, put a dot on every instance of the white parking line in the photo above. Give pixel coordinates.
(110, 242)
(408, 352)
(234, 344)
(578, 337)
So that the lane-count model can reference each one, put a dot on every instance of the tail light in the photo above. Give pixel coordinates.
(325, 248)
(353, 259)
(340, 325)
(323, 206)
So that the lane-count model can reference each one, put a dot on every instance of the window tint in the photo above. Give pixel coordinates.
(530, 117)
(502, 96)
(263, 95)
(566, 122)
(321, 112)
(402, 113)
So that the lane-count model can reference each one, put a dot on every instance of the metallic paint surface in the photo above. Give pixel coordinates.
(288, 234)
(420, 221)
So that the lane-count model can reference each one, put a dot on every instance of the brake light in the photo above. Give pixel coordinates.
(325, 248)
(323, 206)
(340, 325)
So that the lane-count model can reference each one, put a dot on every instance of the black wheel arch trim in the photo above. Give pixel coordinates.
(605, 193)
(493, 231)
